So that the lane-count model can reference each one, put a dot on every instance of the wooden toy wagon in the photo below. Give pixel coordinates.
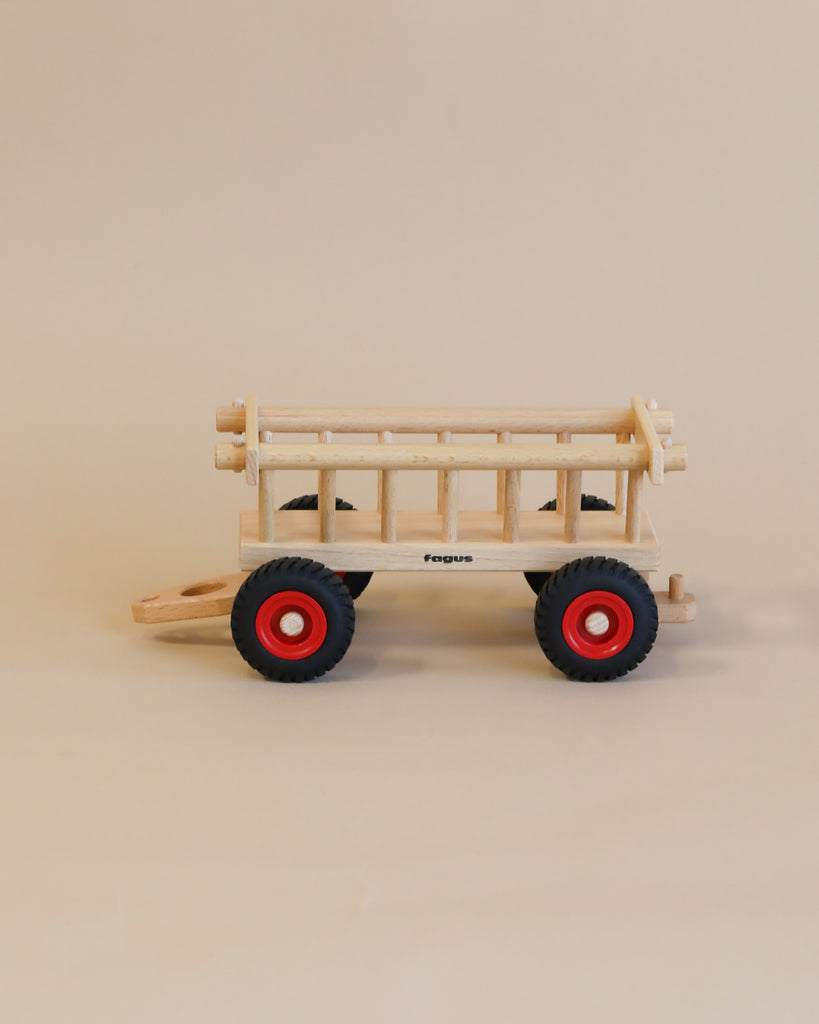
(304, 563)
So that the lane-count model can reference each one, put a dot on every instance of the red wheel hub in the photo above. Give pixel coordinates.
(291, 625)
(598, 625)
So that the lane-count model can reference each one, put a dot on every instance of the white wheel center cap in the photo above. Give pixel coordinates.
(597, 623)
(291, 624)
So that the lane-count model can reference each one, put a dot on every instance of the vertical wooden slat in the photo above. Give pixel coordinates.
(266, 505)
(620, 480)
(504, 437)
(388, 481)
(564, 437)
(327, 496)
(265, 496)
(511, 507)
(571, 520)
(388, 506)
(450, 505)
(444, 437)
(384, 437)
(633, 506)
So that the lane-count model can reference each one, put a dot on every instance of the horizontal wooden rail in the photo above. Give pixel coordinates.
(451, 456)
(231, 419)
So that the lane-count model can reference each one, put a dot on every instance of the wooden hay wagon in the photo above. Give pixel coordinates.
(303, 563)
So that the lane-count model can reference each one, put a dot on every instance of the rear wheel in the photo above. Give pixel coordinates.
(588, 503)
(292, 619)
(354, 581)
(596, 619)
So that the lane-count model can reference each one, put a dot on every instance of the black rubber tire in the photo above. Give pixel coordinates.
(571, 581)
(588, 503)
(354, 581)
(307, 577)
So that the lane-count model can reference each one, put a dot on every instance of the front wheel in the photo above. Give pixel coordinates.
(292, 619)
(596, 619)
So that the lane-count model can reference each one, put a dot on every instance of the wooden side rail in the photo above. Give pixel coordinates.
(231, 419)
(450, 456)
(254, 451)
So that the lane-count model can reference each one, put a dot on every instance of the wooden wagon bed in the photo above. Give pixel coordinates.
(446, 538)
(480, 546)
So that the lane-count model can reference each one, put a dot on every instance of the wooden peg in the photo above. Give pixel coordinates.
(676, 587)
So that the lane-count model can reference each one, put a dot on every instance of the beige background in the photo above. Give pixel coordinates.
(406, 203)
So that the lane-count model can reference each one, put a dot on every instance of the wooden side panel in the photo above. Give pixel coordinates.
(358, 545)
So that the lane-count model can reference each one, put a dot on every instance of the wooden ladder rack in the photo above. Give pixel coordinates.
(641, 444)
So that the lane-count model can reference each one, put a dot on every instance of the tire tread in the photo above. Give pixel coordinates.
(247, 597)
(591, 573)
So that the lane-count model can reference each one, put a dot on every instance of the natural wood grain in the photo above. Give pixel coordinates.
(384, 437)
(511, 507)
(251, 440)
(358, 545)
(504, 437)
(675, 605)
(444, 437)
(326, 496)
(446, 538)
(563, 437)
(449, 512)
(571, 514)
(213, 596)
(433, 421)
(633, 505)
(646, 434)
(620, 479)
(389, 506)
(266, 503)
(451, 456)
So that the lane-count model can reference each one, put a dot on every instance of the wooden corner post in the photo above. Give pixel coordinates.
(263, 478)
